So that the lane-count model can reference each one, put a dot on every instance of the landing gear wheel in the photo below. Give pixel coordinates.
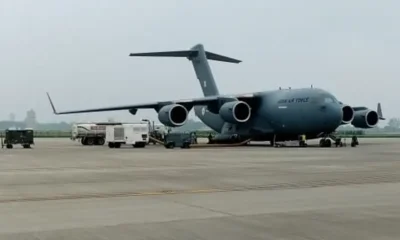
(354, 141)
(328, 143)
(325, 142)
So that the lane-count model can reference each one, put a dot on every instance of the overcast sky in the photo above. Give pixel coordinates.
(78, 51)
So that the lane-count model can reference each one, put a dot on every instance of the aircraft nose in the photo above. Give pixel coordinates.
(332, 115)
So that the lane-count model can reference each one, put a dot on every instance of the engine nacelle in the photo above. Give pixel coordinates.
(348, 114)
(173, 115)
(235, 112)
(365, 119)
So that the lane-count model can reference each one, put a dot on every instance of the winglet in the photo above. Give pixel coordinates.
(379, 111)
(51, 103)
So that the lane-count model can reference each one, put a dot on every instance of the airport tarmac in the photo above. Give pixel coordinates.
(63, 190)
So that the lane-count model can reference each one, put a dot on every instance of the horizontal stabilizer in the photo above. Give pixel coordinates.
(190, 54)
(217, 57)
(163, 54)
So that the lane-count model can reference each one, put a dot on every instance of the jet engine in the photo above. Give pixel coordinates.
(365, 119)
(173, 115)
(235, 112)
(348, 114)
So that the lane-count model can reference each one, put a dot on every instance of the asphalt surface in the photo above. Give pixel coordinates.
(62, 190)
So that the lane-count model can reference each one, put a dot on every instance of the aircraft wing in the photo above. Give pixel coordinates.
(188, 103)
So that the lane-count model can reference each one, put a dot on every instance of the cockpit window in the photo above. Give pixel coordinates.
(324, 98)
(329, 100)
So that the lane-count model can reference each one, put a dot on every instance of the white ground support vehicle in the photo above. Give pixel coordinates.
(135, 134)
(89, 133)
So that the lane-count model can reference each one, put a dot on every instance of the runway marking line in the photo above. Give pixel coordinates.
(108, 195)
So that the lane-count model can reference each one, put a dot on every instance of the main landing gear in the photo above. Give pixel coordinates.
(326, 141)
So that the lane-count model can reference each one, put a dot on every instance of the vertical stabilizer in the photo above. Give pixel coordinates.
(199, 58)
(203, 72)
(379, 111)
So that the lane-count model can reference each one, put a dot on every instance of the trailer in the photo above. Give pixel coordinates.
(135, 134)
(178, 139)
(18, 136)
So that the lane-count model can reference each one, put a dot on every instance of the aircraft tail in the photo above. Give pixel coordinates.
(199, 58)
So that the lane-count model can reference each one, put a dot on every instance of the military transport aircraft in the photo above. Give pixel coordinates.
(276, 115)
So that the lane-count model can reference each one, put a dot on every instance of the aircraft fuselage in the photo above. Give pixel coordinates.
(284, 113)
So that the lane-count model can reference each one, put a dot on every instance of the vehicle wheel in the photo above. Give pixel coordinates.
(9, 146)
(321, 143)
(111, 145)
(84, 141)
(117, 145)
(100, 141)
(90, 141)
(170, 145)
(186, 145)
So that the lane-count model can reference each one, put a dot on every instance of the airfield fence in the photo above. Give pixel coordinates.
(204, 134)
